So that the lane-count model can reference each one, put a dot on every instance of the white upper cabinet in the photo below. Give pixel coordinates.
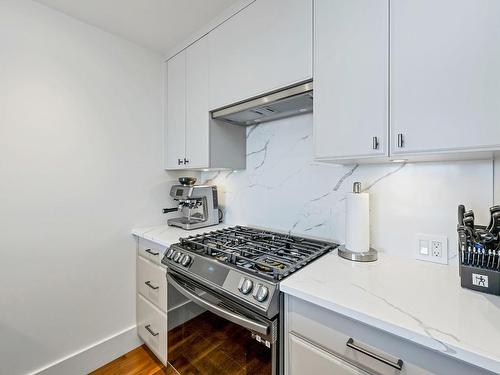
(266, 46)
(197, 116)
(351, 46)
(445, 76)
(193, 140)
(175, 130)
(187, 118)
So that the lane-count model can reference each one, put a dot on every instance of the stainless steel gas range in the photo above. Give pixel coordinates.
(234, 274)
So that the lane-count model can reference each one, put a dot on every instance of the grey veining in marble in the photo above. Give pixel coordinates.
(283, 187)
(426, 328)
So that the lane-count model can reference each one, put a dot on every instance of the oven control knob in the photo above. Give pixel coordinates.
(170, 253)
(246, 286)
(186, 259)
(177, 257)
(261, 293)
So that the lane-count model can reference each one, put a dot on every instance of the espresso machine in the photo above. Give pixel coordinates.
(197, 203)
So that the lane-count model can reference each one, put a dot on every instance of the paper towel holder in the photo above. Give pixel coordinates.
(367, 256)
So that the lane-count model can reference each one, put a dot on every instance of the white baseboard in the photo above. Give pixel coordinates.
(95, 355)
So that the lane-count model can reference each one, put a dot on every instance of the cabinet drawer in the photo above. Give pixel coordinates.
(351, 358)
(329, 330)
(150, 250)
(152, 283)
(309, 359)
(152, 327)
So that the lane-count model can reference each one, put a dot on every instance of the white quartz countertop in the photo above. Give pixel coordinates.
(419, 301)
(166, 235)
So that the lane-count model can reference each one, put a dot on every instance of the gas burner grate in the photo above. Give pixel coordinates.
(267, 254)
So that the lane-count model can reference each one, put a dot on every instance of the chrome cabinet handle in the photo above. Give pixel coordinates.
(375, 143)
(398, 365)
(179, 161)
(148, 328)
(148, 283)
(150, 252)
(217, 310)
(401, 141)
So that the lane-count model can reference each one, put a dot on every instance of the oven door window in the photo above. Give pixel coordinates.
(208, 344)
(204, 342)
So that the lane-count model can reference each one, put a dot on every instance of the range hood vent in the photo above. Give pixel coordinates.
(291, 101)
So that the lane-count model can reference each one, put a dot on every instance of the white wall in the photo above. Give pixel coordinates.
(283, 188)
(80, 165)
(496, 180)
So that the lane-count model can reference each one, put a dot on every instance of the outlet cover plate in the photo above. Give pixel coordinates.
(424, 248)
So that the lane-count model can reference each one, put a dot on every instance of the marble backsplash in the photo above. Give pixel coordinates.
(284, 188)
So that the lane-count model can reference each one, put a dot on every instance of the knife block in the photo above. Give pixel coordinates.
(477, 277)
(480, 279)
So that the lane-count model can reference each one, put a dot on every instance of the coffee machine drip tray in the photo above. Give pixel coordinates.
(185, 223)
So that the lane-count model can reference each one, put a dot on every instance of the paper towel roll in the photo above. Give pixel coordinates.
(357, 237)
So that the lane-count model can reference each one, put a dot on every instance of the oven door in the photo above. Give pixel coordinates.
(223, 338)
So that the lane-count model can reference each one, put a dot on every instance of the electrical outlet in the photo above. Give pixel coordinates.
(432, 248)
(436, 249)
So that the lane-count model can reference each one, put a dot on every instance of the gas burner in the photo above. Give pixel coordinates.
(263, 253)
(267, 265)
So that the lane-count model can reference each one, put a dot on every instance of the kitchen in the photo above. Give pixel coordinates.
(180, 178)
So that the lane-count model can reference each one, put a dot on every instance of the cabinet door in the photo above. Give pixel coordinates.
(351, 44)
(445, 76)
(175, 127)
(197, 116)
(266, 46)
(306, 358)
(152, 327)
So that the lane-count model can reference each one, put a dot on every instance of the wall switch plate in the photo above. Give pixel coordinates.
(432, 248)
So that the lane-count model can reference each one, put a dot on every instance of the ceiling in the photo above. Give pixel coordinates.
(155, 24)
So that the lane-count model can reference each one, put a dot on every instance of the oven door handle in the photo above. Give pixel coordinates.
(229, 315)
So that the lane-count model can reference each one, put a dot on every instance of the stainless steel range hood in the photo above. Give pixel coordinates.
(290, 101)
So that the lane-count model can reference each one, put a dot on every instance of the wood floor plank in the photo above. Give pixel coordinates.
(140, 361)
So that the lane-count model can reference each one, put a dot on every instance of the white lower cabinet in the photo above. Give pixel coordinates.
(310, 359)
(320, 341)
(152, 327)
(151, 297)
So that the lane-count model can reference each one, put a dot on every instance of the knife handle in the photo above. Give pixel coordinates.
(461, 212)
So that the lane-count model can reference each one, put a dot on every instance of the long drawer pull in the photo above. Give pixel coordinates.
(397, 365)
(148, 328)
(151, 252)
(148, 283)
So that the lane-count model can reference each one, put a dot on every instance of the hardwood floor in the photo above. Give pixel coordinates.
(205, 345)
(140, 361)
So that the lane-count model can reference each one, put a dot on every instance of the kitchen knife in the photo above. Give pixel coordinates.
(495, 223)
(462, 241)
(461, 212)
(469, 213)
(493, 210)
